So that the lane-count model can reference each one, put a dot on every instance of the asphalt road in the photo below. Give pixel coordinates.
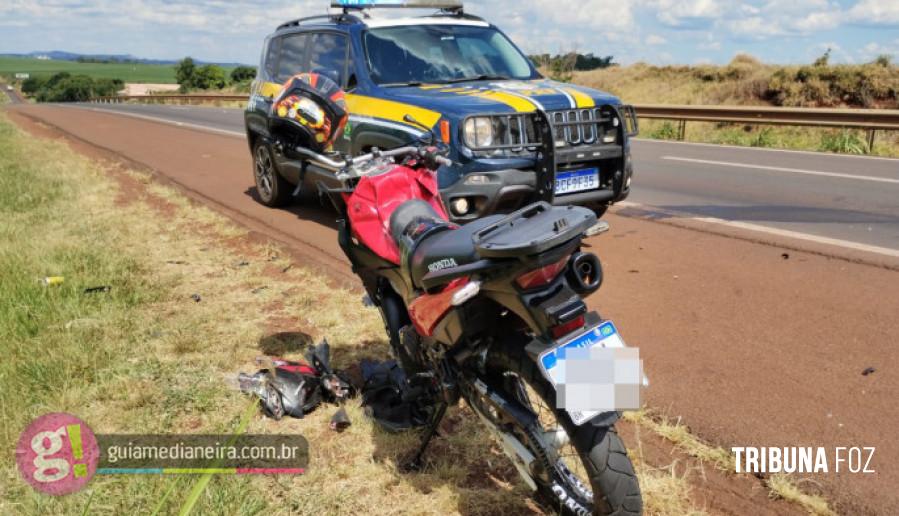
(746, 344)
(13, 95)
(852, 200)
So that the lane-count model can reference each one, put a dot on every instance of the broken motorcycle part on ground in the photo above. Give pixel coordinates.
(394, 403)
(296, 388)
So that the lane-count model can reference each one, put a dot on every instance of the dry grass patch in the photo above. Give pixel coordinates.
(779, 486)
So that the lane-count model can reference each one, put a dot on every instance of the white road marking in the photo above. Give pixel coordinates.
(764, 149)
(847, 244)
(162, 120)
(785, 169)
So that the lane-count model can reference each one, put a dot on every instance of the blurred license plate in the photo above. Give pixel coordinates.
(577, 180)
(605, 335)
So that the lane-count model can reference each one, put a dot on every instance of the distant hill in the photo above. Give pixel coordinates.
(62, 55)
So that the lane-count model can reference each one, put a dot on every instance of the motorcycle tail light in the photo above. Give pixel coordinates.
(542, 276)
(568, 327)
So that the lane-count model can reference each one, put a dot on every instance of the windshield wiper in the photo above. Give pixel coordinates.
(400, 84)
(479, 78)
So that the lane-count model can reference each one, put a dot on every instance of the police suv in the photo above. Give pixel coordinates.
(513, 135)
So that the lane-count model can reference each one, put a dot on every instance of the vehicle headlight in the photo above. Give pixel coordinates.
(478, 132)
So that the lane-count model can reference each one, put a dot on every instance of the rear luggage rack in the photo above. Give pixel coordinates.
(546, 227)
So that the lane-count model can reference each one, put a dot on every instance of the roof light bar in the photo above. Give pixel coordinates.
(423, 4)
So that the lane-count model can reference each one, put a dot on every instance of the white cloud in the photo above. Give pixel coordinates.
(562, 25)
(874, 49)
(212, 16)
(222, 30)
(749, 10)
(688, 13)
(710, 45)
(755, 27)
(875, 12)
(794, 18)
(822, 20)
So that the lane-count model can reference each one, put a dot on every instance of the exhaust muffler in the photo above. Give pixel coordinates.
(584, 273)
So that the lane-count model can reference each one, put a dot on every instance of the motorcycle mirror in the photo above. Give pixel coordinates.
(597, 229)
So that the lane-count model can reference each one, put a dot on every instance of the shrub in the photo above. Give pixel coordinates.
(31, 85)
(243, 74)
(764, 138)
(185, 72)
(864, 85)
(210, 77)
(843, 142)
(824, 60)
(64, 87)
(665, 131)
(707, 73)
(742, 66)
(205, 77)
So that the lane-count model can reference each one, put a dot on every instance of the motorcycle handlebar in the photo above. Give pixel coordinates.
(443, 160)
(321, 159)
(346, 166)
(386, 154)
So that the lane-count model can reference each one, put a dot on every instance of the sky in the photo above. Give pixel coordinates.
(654, 31)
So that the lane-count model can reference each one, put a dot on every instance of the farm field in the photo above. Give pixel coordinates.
(128, 72)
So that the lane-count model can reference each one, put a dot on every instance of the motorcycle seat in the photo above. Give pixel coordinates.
(430, 243)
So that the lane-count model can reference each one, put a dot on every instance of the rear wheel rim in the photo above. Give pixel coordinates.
(566, 457)
(265, 172)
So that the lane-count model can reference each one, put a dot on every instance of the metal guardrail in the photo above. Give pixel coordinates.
(855, 118)
(871, 120)
(180, 98)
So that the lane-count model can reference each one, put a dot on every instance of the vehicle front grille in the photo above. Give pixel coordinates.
(583, 126)
(517, 133)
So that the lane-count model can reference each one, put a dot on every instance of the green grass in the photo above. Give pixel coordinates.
(105, 357)
(143, 73)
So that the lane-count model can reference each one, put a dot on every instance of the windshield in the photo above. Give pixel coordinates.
(416, 54)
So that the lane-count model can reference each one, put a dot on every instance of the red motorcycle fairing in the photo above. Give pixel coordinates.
(427, 310)
(375, 198)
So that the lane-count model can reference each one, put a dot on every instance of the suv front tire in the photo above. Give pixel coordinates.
(272, 189)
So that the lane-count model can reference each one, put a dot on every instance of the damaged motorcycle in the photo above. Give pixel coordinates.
(473, 311)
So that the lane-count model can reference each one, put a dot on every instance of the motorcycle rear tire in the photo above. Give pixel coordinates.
(603, 454)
